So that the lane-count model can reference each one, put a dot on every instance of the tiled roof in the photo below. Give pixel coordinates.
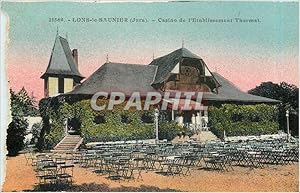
(118, 77)
(61, 60)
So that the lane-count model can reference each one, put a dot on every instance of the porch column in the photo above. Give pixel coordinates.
(194, 122)
(205, 113)
(66, 126)
(173, 118)
(198, 121)
(206, 119)
(288, 125)
(156, 114)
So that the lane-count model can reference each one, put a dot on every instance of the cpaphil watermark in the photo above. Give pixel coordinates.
(171, 100)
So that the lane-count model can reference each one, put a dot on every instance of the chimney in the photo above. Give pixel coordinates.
(75, 56)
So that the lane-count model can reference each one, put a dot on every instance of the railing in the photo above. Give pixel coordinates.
(78, 144)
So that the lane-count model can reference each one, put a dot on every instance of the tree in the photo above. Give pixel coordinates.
(288, 95)
(21, 105)
(16, 135)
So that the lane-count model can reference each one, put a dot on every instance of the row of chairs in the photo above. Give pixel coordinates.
(216, 155)
(128, 161)
(52, 169)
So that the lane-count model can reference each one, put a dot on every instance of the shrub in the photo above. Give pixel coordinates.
(168, 130)
(241, 120)
(21, 105)
(16, 135)
(288, 94)
(111, 127)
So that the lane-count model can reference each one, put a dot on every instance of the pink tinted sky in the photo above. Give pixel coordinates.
(246, 72)
(245, 53)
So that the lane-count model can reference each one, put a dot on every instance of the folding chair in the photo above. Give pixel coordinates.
(47, 174)
(65, 174)
(187, 163)
(28, 157)
(138, 165)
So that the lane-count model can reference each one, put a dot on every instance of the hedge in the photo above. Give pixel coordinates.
(99, 125)
(168, 130)
(242, 120)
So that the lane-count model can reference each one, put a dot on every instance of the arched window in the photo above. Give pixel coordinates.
(254, 118)
(99, 119)
(237, 117)
(125, 119)
(74, 125)
(147, 117)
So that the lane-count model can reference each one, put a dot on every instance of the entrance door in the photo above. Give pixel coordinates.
(73, 126)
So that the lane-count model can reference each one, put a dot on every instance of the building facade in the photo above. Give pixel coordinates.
(178, 71)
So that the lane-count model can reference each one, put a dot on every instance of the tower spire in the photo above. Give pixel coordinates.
(153, 56)
(182, 43)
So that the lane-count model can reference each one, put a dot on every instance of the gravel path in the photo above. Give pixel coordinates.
(20, 177)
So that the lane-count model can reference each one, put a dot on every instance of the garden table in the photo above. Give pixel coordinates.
(171, 165)
(138, 164)
(65, 172)
(119, 167)
(46, 172)
(215, 161)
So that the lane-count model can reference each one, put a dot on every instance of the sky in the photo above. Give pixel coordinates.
(245, 53)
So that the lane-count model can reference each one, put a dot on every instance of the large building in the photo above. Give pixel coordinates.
(180, 70)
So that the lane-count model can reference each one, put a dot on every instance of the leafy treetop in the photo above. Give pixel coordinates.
(22, 104)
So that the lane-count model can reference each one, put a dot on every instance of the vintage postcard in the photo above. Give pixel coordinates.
(192, 96)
